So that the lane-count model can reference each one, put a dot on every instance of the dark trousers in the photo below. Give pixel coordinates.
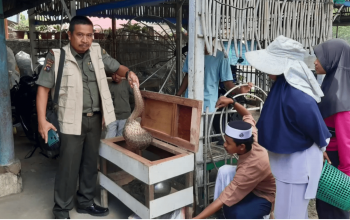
(78, 158)
(251, 207)
(325, 210)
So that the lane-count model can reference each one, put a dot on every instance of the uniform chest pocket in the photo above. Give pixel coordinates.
(66, 110)
(90, 66)
(67, 77)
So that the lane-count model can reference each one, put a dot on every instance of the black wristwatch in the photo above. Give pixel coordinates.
(234, 102)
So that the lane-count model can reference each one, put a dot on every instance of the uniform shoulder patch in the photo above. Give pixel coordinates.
(103, 51)
(50, 61)
(48, 66)
(51, 52)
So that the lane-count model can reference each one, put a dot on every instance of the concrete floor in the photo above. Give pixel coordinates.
(36, 200)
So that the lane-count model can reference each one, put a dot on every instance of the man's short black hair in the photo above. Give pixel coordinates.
(247, 142)
(79, 20)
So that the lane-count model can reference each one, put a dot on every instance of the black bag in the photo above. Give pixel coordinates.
(52, 113)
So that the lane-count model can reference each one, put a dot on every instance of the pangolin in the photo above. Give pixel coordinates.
(135, 136)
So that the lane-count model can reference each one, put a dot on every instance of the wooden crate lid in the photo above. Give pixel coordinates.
(172, 119)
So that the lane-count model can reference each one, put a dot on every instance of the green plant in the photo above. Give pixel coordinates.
(57, 27)
(23, 24)
(132, 27)
(41, 28)
(20, 27)
(144, 29)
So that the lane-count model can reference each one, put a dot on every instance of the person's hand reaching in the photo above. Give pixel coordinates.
(223, 102)
(246, 89)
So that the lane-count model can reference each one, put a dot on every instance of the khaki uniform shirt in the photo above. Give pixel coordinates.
(253, 174)
(82, 88)
(91, 96)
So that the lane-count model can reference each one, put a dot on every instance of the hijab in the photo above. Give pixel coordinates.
(334, 56)
(290, 120)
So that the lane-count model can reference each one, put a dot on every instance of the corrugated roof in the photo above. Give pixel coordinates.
(12, 7)
(123, 9)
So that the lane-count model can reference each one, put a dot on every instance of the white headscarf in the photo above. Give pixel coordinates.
(286, 56)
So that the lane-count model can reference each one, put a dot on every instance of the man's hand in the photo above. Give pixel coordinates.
(133, 79)
(44, 128)
(246, 89)
(103, 123)
(223, 102)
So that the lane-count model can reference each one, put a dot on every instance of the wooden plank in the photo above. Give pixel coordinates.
(6, 29)
(158, 115)
(161, 118)
(121, 177)
(171, 202)
(171, 168)
(126, 160)
(181, 143)
(124, 197)
(111, 143)
(104, 193)
(149, 194)
(167, 147)
(175, 119)
(144, 169)
(189, 183)
(195, 128)
(171, 99)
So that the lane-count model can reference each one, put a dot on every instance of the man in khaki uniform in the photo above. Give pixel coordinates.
(84, 104)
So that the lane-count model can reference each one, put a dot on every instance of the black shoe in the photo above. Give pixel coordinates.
(60, 218)
(94, 210)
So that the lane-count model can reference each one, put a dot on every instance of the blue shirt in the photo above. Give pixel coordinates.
(216, 69)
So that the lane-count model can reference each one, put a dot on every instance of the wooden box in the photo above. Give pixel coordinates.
(174, 123)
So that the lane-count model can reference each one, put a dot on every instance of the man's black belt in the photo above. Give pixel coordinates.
(89, 114)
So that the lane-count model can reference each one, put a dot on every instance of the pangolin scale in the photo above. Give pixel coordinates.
(135, 136)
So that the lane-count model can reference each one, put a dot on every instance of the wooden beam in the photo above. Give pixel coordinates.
(189, 183)
(6, 29)
(104, 193)
(178, 42)
(149, 194)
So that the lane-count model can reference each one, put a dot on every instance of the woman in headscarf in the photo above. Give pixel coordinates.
(291, 127)
(333, 59)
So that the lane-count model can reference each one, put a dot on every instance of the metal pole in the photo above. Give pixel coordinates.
(196, 79)
(114, 51)
(73, 9)
(336, 34)
(33, 42)
(7, 154)
(66, 9)
(330, 28)
(179, 4)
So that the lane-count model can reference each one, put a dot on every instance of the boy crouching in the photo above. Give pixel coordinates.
(248, 189)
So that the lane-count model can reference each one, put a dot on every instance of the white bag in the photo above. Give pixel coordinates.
(24, 63)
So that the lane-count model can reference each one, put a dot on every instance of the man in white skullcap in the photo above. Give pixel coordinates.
(248, 189)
